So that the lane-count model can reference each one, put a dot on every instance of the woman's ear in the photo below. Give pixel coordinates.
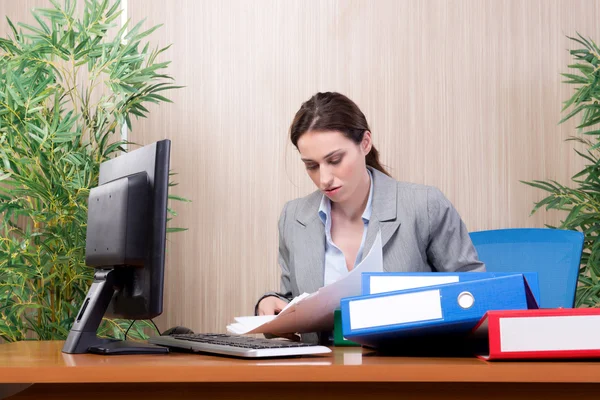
(366, 144)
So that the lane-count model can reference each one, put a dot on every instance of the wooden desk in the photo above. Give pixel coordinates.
(348, 373)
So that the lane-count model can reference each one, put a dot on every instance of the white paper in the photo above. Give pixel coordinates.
(314, 312)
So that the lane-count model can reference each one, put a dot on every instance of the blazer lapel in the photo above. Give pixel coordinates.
(309, 259)
(384, 210)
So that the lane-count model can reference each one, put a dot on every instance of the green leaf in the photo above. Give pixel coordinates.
(575, 78)
(31, 28)
(178, 198)
(43, 25)
(173, 230)
(574, 112)
(541, 185)
(16, 35)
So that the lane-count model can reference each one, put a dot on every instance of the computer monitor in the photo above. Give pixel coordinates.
(126, 233)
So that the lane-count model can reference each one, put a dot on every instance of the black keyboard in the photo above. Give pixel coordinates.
(241, 346)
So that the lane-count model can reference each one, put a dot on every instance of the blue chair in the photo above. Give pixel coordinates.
(554, 254)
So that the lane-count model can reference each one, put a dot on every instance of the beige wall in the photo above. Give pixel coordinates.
(464, 95)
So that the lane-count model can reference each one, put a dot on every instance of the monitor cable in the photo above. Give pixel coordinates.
(133, 322)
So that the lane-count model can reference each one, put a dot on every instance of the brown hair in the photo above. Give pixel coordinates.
(332, 111)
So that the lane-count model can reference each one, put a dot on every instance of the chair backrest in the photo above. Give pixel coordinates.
(554, 254)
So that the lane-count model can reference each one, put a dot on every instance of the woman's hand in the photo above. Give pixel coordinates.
(271, 305)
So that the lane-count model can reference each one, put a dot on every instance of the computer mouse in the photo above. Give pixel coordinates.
(177, 330)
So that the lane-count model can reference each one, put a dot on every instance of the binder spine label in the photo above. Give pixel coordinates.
(397, 309)
(559, 333)
(383, 284)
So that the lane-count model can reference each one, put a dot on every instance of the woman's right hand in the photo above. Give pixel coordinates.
(271, 305)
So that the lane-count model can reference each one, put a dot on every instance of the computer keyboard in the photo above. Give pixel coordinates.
(238, 346)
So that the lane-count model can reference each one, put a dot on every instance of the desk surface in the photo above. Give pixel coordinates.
(43, 362)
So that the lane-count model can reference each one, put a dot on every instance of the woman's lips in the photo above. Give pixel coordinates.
(333, 191)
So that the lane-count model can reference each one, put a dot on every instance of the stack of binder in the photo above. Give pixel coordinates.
(401, 309)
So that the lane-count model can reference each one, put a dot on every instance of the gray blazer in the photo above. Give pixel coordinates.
(420, 232)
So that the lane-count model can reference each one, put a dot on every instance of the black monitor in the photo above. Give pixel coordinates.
(126, 233)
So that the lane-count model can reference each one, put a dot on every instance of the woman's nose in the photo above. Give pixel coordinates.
(326, 177)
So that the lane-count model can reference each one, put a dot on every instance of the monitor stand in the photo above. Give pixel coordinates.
(82, 337)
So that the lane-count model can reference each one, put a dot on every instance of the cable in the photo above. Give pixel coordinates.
(157, 330)
(130, 325)
(133, 321)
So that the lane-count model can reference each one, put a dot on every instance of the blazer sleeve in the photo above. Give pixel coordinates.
(285, 288)
(450, 248)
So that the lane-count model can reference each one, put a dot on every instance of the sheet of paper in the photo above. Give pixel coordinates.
(314, 312)
(245, 324)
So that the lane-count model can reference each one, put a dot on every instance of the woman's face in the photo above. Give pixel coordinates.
(335, 163)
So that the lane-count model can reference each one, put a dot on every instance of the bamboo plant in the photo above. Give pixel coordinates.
(582, 202)
(67, 85)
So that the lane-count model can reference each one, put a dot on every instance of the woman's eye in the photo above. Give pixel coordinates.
(336, 161)
(312, 166)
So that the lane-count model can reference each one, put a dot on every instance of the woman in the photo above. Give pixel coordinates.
(324, 235)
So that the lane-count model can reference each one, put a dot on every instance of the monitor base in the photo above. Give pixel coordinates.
(82, 337)
(116, 347)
